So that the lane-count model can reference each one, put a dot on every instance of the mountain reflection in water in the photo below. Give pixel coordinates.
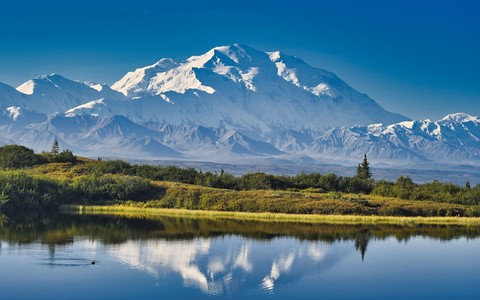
(215, 265)
(217, 257)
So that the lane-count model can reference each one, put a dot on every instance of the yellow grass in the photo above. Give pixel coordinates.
(127, 211)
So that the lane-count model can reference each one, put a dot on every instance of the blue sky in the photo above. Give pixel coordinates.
(418, 58)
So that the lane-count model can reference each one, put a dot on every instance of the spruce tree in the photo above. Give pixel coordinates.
(363, 169)
(55, 147)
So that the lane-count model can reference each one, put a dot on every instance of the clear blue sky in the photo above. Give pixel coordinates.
(418, 58)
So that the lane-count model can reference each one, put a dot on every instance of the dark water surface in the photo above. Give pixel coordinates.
(50, 257)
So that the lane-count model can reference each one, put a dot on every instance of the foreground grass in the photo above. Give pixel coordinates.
(129, 211)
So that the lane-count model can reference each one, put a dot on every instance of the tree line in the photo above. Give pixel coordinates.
(119, 180)
(360, 183)
(16, 156)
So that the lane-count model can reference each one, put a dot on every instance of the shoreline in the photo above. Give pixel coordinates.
(129, 211)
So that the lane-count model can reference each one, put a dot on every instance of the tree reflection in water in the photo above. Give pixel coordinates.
(213, 255)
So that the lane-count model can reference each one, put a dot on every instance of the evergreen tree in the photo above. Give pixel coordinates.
(55, 147)
(363, 169)
(467, 185)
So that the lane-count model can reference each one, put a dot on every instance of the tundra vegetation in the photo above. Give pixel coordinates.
(30, 181)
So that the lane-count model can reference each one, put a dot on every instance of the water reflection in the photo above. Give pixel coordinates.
(160, 256)
(281, 265)
(216, 265)
(216, 257)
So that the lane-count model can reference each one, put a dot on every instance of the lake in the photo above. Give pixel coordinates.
(51, 256)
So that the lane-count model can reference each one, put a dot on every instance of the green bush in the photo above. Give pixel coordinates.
(111, 187)
(15, 157)
(21, 191)
(405, 188)
(111, 167)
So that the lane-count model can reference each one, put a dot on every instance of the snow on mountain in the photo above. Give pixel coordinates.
(241, 88)
(231, 103)
(454, 137)
(136, 83)
(9, 96)
(54, 93)
(460, 118)
(19, 116)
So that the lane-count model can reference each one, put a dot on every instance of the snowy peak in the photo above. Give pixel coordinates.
(237, 84)
(178, 80)
(236, 63)
(46, 83)
(237, 53)
(460, 118)
(203, 73)
(452, 126)
(233, 54)
(229, 103)
(54, 93)
(136, 83)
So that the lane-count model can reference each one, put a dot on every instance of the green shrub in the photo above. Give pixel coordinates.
(15, 157)
(112, 187)
(21, 191)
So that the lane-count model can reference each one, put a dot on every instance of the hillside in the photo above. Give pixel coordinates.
(44, 181)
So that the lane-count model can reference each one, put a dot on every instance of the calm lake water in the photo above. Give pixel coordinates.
(50, 257)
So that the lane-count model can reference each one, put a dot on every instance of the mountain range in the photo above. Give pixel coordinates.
(231, 104)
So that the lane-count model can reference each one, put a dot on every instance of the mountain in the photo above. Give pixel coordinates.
(253, 92)
(10, 96)
(136, 83)
(53, 93)
(453, 139)
(232, 104)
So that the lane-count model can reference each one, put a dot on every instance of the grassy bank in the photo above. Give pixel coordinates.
(308, 201)
(129, 211)
(91, 182)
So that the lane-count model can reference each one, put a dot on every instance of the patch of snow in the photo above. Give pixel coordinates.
(96, 86)
(85, 107)
(274, 56)
(287, 74)
(14, 112)
(27, 87)
(164, 97)
(322, 89)
(249, 76)
(407, 124)
(222, 69)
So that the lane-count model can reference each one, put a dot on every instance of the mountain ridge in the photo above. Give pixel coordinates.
(232, 103)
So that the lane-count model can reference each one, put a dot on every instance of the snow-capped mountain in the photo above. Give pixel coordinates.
(455, 137)
(54, 93)
(233, 103)
(242, 88)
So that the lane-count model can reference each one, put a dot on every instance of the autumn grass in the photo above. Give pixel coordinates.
(304, 202)
(129, 211)
(309, 205)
